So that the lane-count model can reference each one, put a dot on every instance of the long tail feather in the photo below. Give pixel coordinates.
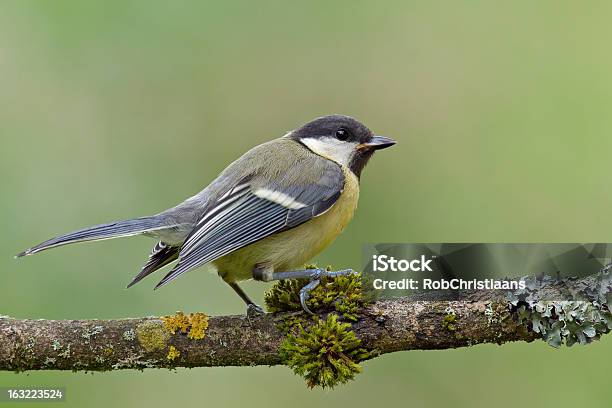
(100, 232)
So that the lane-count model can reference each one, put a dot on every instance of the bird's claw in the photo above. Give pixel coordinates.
(305, 293)
(254, 311)
(315, 280)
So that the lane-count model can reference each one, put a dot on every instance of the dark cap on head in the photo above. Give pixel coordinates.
(328, 126)
(342, 130)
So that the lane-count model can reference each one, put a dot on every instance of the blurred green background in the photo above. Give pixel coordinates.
(116, 109)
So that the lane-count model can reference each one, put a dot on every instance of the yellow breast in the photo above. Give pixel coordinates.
(290, 249)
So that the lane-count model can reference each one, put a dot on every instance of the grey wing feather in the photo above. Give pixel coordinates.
(161, 255)
(242, 217)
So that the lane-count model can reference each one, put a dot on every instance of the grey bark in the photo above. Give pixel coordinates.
(137, 343)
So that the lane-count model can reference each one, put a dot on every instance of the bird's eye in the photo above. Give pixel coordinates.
(342, 134)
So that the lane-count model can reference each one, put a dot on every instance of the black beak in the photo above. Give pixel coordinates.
(377, 143)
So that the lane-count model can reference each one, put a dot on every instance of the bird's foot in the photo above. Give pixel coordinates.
(315, 280)
(254, 311)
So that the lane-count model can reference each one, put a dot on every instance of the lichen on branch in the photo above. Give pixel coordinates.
(326, 349)
(583, 319)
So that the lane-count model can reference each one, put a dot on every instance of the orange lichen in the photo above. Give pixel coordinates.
(194, 325)
(173, 353)
(199, 324)
(178, 322)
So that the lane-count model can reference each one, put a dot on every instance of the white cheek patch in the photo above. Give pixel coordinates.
(279, 198)
(332, 149)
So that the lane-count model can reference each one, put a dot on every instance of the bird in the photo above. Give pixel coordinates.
(264, 216)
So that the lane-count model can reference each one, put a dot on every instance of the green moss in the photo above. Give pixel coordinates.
(326, 354)
(448, 322)
(152, 335)
(290, 322)
(344, 295)
(284, 296)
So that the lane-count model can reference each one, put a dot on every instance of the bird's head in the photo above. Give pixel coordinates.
(342, 139)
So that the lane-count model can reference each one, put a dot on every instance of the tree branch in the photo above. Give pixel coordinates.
(385, 326)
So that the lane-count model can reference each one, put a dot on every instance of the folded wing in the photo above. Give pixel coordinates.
(256, 208)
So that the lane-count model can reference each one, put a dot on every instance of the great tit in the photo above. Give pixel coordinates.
(265, 215)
